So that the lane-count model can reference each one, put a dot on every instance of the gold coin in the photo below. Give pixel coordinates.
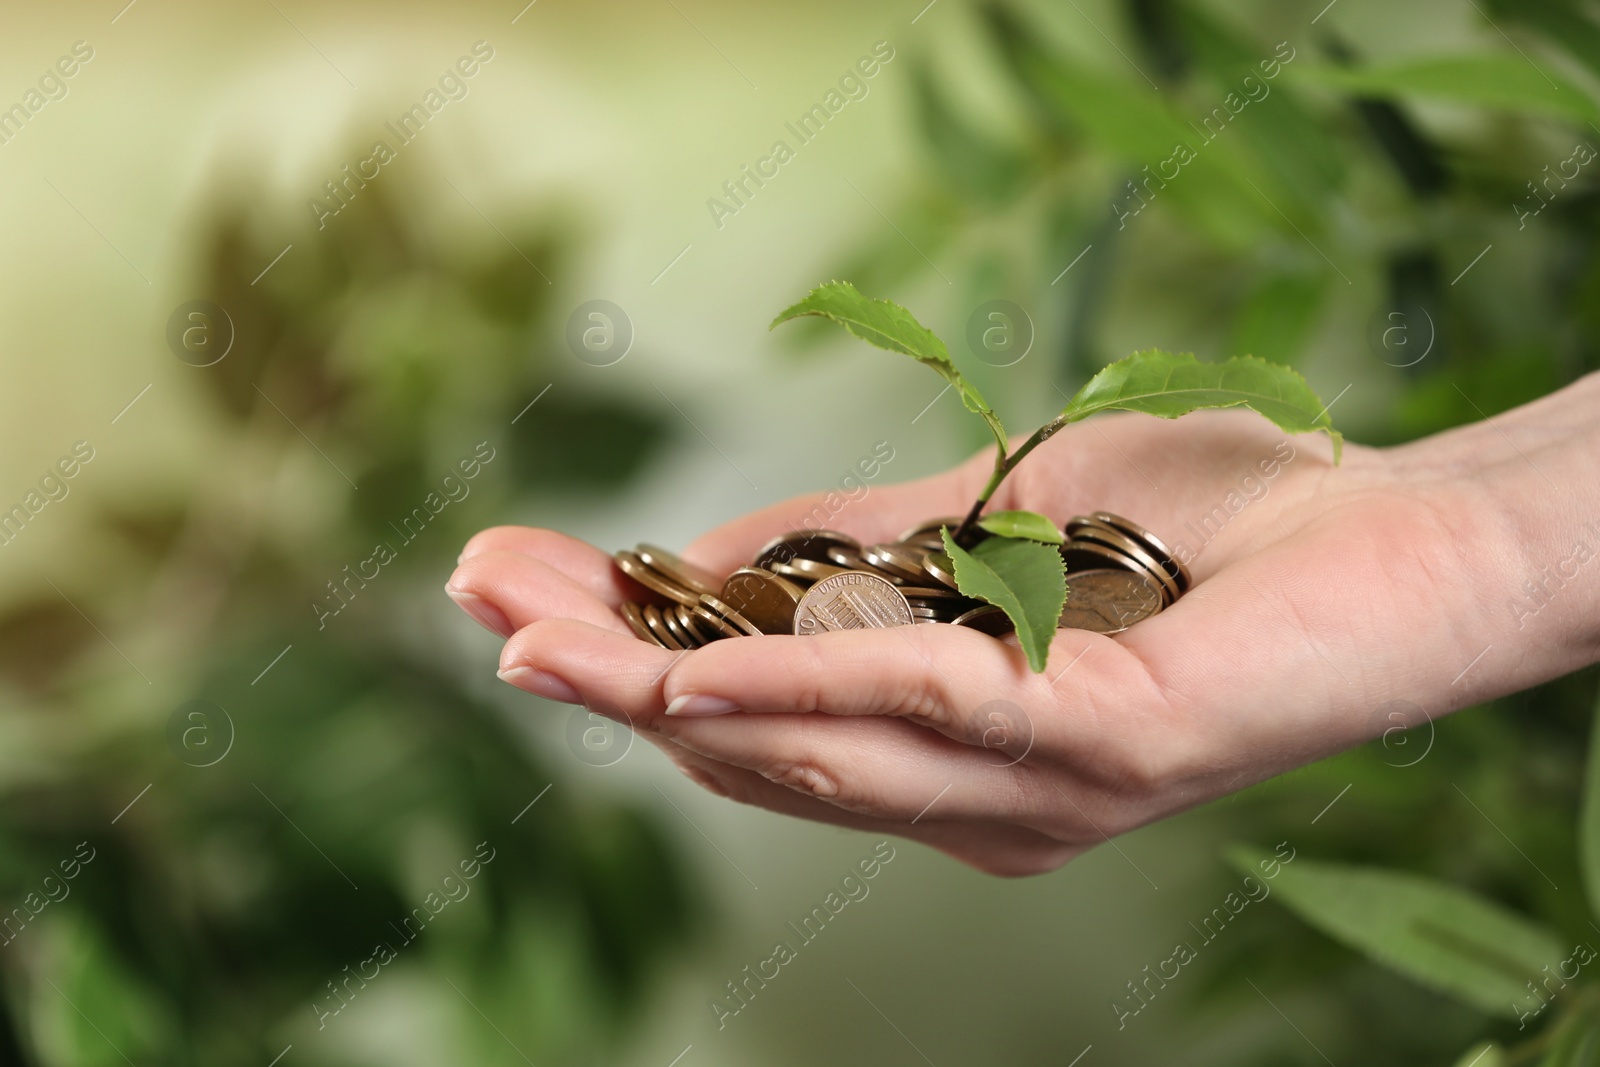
(1109, 601)
(767, 600)
(678, 570)
(803, 544)
(1158, 548)
(851, 600)
(634, 617)
(729, 615)
(658, 628)
(634, 567)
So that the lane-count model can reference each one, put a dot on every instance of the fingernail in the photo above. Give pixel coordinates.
(484, 613)
(692, 705)
(541, 684)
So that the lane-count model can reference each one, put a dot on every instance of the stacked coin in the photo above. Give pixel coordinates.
(1118, 573)
(812, 581)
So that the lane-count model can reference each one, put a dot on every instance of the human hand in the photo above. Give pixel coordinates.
(1320, 594)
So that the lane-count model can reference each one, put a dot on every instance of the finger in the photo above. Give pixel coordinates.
(620, 677)
(885, 768)
(506, 591)
(948, 678)
(870, 513)
(612, 673)
(994, 848)
(578, 560)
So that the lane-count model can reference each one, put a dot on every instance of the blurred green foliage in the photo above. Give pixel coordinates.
(245, 862)
(1344, 199)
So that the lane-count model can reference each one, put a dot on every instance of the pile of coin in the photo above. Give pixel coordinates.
(811, 581)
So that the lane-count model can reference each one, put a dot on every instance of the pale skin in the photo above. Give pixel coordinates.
(1397, 576)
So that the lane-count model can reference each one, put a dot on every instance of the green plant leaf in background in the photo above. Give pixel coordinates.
(1563, 22)
(1436, 934)
(892, 327)
(1170, 385)
(1025, 579)
(1278, 316)
(977, 163)
(1282, 130)
(1506, 82)
(1027, 525)
(1575, 1039)
(1136, 125)
(1483, 1054)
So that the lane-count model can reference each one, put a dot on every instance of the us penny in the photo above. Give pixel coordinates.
(941, 568)
(805, 570)
(729, 615)
(766, 599)
(1093, 556)
(658, 628)
(930, 592)
(1158, 548)
(848, 558)
(1121, 542)
(678, 570)
(634, 616)
(634, 567)
(675, 627)
(929, 530)
(804, 544)
(1109, 601)
(899, 561)
(851, 600)
(712, 621)
(987, 619)
(691, 623)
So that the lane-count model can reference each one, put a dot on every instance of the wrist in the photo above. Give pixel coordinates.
(1534, 476)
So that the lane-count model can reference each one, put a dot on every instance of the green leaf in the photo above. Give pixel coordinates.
(1291, 140)
(1168, 385)
(975, 163)
(1574, 1040)
(1559, 21)
(1029, 525)
(1504, 82)
(1134, 124)
(1278, 316)
(1025, 579)
(1436, 934)
(1589, 819)
(890, 326)
(1483, 1054)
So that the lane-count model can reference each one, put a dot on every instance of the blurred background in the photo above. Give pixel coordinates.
(262, 799)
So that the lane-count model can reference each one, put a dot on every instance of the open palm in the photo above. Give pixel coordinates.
(1320, 594)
